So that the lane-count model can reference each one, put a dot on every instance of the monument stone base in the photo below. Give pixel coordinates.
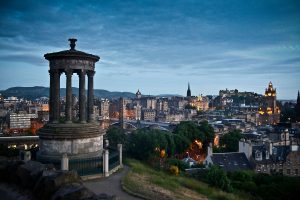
(80, 141)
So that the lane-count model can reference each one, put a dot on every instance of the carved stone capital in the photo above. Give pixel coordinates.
(81, 72)
(90, 73)
(54, 72)
(69, 72)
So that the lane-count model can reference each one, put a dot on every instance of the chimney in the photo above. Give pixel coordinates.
(245, 147)
(209, 150)
(271, 148)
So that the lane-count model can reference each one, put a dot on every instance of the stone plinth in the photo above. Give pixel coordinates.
(77, 140)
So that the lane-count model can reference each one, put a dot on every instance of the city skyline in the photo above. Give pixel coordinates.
(158, 47)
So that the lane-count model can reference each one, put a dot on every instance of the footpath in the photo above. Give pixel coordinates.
(110, 185)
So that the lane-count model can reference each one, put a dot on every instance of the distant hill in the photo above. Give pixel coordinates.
(38, 91)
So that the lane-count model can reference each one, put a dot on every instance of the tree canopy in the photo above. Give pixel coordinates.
(230, 141)
(116, 136)
(190, 130)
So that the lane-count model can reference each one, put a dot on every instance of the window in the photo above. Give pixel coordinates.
(257, 155)
(288, 171)
(280, 171)
(296, 171)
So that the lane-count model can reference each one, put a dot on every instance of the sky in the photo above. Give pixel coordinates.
(157, 46)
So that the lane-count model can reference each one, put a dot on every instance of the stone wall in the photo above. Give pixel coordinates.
(43, 181)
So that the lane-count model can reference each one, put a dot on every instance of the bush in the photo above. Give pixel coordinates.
(8, 152)
(180, 164)
(241, 176)
(174, 170)
(198, 166)
(218, 178)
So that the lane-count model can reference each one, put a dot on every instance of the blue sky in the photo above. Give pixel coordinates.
(158, 46)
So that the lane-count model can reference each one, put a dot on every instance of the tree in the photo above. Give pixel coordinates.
(230, 141)
(144, 143)
(189, 130)
(208, 132)
(171, 144)
(116, 136)
(181, 143)
(140, 145)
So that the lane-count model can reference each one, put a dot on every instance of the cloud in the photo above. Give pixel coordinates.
(162, 39)
(31, 59)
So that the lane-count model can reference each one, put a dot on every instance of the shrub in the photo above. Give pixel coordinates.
(174, 170)
(217, 177)
(180, 164)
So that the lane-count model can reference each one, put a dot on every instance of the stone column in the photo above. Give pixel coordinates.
(51, 95)
(105, 163)
(56, 95)
(68, 111)
(120, 154)
(82, 97)
(90, 106)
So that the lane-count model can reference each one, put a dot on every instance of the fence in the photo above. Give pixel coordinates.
(87, 166)
(113, 159)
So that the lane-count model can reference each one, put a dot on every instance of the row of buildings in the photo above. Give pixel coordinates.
(272, 149)
(229, 110)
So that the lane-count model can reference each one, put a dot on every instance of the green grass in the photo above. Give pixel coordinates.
(142, 177)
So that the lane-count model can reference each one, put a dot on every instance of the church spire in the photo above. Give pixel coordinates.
(188, 92)
(298, 98)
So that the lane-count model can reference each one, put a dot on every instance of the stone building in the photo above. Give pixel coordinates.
(231, 161)
(148, 114)
(104, 109)
(19, 122)
(267, 158)
(201, 103)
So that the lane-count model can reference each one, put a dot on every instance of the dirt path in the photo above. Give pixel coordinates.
(110, 185)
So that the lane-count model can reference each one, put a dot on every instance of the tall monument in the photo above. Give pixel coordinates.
(79, 139)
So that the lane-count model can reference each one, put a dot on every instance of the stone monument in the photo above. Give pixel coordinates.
(78, 139)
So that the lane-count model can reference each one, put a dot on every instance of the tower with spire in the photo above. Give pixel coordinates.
(138, 94)
(188, 92)
(297, 108)
(269, 112)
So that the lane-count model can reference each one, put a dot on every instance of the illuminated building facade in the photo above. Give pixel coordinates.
(269, 112)
(20, 122)
(200, 103)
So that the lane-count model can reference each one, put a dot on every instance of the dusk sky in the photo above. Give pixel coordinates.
(157, 46)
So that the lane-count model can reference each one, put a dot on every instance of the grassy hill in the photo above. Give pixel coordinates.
(149, 183)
